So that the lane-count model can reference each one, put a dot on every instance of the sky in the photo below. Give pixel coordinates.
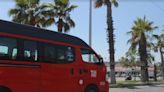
(123, 17)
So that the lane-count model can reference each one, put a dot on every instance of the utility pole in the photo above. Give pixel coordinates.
(90, 23)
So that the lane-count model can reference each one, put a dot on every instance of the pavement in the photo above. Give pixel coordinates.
(139, 87)
(138, 84)
(145, 88)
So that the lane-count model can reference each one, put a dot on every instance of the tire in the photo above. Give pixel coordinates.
(92, 88)
(5, 89)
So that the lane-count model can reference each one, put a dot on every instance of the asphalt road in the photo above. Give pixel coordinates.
(150, 88)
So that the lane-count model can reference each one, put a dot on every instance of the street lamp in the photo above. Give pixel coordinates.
(90, 23)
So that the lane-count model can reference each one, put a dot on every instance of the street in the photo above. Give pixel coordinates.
(149, 88)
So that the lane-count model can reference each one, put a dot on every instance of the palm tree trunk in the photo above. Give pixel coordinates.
(60, 23)
(32, 21)
(155, 72)
(111, 41)
(162, 60)
(143, 58)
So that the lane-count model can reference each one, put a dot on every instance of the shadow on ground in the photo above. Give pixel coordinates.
(131, 87)
(155, 85)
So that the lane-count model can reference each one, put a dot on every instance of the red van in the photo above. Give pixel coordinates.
(40, 60)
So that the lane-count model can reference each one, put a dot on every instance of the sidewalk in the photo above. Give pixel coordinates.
(135, 84)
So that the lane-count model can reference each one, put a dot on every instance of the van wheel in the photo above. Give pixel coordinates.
(92, 88)
(5, 89)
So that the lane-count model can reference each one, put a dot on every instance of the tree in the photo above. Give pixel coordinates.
(132, 56)
(129, 62)
(62, 9)
(159, 46)
(138, 38)
(155, 72)
(125, 62)
(110, 34)
(31, 13)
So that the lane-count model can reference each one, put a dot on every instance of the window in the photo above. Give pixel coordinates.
(70, 54)
(8, 48)
(49, 53)
(14, 53)
(30, 51)
(3, 49)
(61, 54)
(89, 56)
(65, 53)
(58, 54)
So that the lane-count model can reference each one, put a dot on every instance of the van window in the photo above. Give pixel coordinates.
(89, 56)
(8, 48)
(65, 53)
(3, 50)
(30, 51)
(14, 53)
(49, 53)
(58, 54)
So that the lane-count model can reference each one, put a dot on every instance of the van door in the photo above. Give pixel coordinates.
(19, 74)
(58, 78)
(58, 71)
(91, 64)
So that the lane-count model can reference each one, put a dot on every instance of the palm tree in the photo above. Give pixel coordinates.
(62, 9)
(31, 13)
(132, 56)
(159, 46)
(126, 62)
(110, 34)
(138, 33)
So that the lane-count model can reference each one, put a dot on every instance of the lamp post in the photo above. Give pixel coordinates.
(90, 23)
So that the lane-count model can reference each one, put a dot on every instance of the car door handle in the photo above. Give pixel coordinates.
(83, 71)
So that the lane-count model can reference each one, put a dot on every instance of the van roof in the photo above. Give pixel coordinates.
(27, 30)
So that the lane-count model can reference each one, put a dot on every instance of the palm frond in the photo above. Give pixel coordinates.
(66, 27)
(13, 12)
(72, 7)
(129, 33)
(99, 3)
(133, 45)
(150, 58)
(114, 2)
(156, 36)
(162, 36)
(70, 22)
(48, 22)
